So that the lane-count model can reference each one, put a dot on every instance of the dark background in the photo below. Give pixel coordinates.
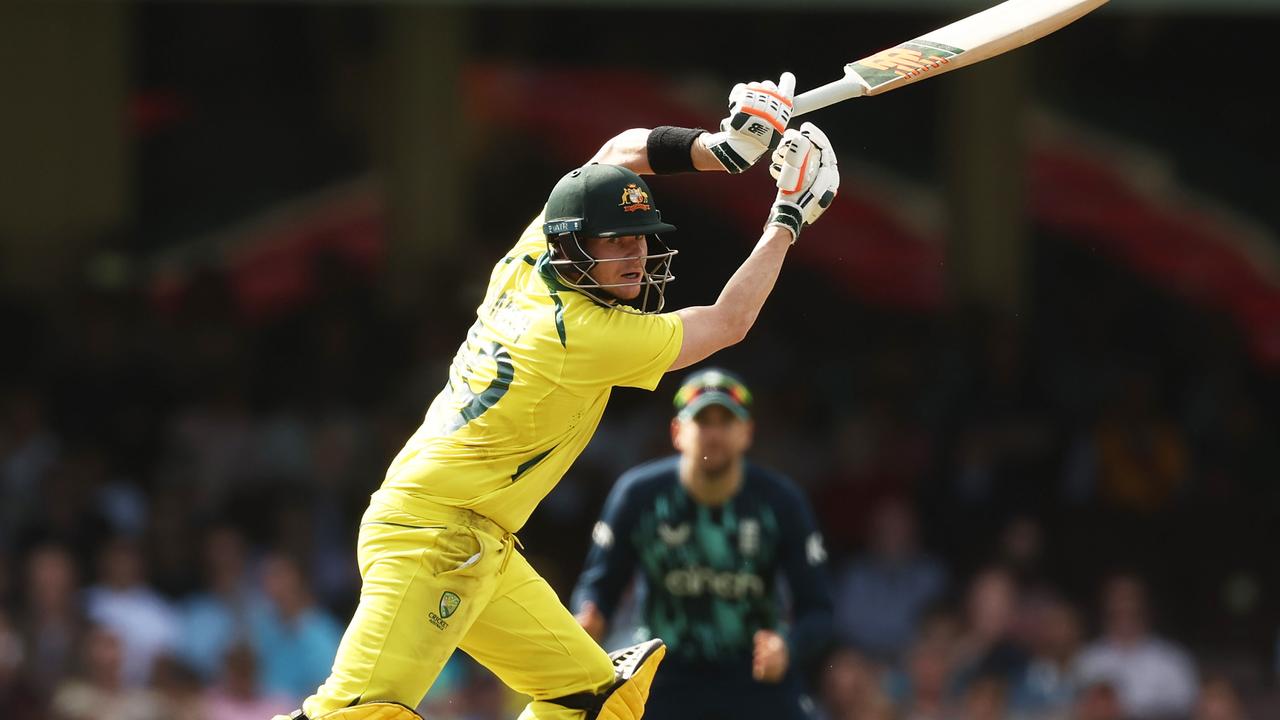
(240, 243)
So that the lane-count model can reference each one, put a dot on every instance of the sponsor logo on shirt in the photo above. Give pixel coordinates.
(698, 581)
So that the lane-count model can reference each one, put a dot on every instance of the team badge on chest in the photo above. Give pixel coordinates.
(749, 536)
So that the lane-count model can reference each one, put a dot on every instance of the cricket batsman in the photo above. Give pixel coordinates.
(572, 310)
(712, 536)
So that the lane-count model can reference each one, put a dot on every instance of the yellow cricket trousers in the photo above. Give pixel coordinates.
(451, 578)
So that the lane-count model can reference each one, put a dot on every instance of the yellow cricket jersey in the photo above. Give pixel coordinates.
(526, 391)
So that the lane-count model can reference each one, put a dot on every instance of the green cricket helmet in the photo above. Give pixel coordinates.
(606, 201)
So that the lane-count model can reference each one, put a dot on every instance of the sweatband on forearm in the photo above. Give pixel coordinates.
(669, 149)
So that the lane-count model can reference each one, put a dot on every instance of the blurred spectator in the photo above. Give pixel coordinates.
(212, 443)
(923, 688)
(51, 619)
(18, 700)
(987, 647)
(237, 695)
(28, 449)
(1153, 677)
(219, 617)
(101, 693)
(8, 595)
(295, 639)
(1004, 436)
(877, 453)
(1054, 635)
(986, 698)
(850, 688)
(124, 603)
(1135, 457)
(1235, 444)
(173, 542)
(881, 594)
(177, 689)
(66, 511)
(1218, 701)
(1021, 551)
(1099, 701)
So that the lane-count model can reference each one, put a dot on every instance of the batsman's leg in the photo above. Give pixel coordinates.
(533, 644)
(422, 589)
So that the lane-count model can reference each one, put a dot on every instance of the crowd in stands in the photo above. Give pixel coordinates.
(1014, 533)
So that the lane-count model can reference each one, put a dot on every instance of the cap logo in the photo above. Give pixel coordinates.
(634, 199)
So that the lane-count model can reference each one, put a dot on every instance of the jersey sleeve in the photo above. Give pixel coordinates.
(611, 561)
(804, 563)
(626, 349)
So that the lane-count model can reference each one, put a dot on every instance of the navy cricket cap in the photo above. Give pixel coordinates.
(712, 386)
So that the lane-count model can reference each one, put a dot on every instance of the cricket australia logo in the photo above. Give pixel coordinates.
(634, 199)
(449, 603)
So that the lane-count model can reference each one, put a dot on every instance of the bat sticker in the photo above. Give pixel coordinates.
(908, 60)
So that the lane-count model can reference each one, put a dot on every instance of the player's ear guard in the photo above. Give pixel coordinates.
(634, 668)
(366, 711)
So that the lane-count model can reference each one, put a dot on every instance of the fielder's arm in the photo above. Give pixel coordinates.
(804, 563)
(611, 562)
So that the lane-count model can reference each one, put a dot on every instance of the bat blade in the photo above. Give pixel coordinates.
(996, 30)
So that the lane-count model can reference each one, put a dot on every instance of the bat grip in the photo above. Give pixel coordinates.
(829, 94)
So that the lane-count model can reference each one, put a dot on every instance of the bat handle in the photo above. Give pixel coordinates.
(829, 94)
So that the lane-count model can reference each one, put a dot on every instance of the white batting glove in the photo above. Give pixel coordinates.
(808, 179)
(758, 115)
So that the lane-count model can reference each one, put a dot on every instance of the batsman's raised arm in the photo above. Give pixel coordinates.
(808, 179)
(758, 116)
(573, 311)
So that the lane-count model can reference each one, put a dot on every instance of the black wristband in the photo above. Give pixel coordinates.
(669, 149)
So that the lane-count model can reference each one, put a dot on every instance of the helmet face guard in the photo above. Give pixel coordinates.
(606, 201)
(572, 265)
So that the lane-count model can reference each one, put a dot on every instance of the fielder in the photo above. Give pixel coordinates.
(711, 534)
(571, 311)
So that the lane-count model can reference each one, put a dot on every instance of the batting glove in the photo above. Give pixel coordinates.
(758, 115)
(808, 179)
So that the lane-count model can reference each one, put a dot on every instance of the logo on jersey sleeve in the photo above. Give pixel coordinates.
(814, 552)
(602, 535)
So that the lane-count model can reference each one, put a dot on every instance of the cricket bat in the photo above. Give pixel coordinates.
(996, 30)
